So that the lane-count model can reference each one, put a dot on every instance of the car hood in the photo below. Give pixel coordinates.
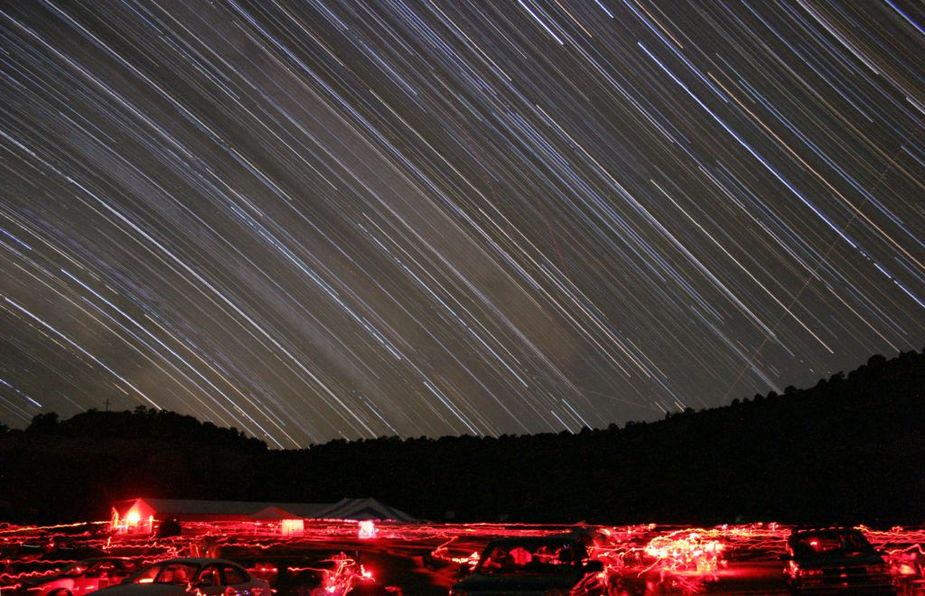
(525, 582)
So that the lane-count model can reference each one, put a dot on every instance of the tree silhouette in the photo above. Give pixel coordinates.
(849, 449)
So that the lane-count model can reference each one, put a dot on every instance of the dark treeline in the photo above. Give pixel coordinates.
(849, 449)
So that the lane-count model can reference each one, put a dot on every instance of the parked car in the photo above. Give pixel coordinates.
(82, 577)
(535, 565)
(832, 560)
(192, 576)
(311, 574)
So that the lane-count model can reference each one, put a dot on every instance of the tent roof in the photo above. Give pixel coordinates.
(343, 509)
(368, 508)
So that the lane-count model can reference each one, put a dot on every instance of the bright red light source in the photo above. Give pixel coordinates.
(367, 529)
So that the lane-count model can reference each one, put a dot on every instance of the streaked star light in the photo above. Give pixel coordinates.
(325, 219)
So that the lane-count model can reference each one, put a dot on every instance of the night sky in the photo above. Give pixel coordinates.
(340, 219)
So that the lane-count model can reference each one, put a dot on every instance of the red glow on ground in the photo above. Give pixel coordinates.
(660, 558)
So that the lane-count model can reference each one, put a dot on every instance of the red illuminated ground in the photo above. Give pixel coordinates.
(426, 558)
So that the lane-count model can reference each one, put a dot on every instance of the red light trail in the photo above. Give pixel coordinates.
(679, 559)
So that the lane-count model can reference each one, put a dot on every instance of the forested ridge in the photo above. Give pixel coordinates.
(849, 449)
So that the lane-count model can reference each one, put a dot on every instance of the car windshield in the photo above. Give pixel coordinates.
(535, 557)
(831, 544)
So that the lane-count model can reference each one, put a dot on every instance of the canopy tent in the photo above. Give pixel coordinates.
(133, 512)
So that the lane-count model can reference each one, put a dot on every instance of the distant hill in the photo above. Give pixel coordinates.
(143, 423)
(74, 469)
(849, 449)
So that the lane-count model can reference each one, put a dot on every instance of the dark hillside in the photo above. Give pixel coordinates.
(851, 449)
(74, 469)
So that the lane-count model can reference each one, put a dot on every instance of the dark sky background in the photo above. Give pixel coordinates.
(340, 219)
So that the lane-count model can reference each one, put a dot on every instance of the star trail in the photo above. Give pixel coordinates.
(318, 220)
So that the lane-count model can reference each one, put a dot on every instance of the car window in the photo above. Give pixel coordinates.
(93, 569)
(810, 545)
(209, 577)
(176, 573)
(100, 569)
(147, 576)
(856, 543)
(234, 576)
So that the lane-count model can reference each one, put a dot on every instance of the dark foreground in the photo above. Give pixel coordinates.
(333, 557)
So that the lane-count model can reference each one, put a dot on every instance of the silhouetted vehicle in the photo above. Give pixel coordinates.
(82, 577)
(311, 574)
(170, 527)
(544, 565)
(835, 560)
(192, 576)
